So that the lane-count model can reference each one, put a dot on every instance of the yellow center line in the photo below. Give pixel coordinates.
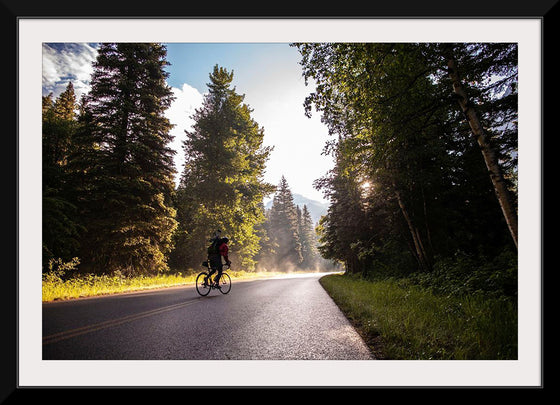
(57, 337)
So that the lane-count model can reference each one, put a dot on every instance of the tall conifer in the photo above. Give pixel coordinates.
(283, 228)
(60, 223)
(222, 184)
(308, 240)
(124, 163)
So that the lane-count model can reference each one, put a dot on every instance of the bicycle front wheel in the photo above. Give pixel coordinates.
(225, 283)
(203, 284)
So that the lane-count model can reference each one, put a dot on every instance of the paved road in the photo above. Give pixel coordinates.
(289, 318)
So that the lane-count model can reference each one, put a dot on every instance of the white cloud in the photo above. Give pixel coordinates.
(187, 99)
(67, 62)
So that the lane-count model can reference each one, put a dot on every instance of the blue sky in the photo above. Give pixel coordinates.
(268, 74)
(192, 63)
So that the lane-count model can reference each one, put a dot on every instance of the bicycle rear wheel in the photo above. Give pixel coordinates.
(203, 284)
(225, 283)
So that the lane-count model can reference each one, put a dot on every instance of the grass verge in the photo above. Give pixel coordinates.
(58, 288)
(411, 323)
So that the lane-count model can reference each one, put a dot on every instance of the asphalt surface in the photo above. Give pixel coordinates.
(290, 318)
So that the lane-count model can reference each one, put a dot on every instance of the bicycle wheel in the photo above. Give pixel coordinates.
(225, 283)
(202, 286)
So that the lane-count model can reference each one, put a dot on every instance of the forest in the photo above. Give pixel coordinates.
(425, 149)
(424, 184)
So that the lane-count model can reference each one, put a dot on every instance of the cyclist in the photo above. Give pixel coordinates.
(215, 256)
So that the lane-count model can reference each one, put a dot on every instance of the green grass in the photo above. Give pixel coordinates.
(58, 288)
(411, 323)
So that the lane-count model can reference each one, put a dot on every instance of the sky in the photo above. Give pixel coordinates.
(268, 74)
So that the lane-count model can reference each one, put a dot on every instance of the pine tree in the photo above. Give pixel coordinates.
(60, 224)
(59, 126)
(345, 225)
(65, 105)
(283, 229)
(222, 183)
(123, 162)
(264, 258)
(308, 240)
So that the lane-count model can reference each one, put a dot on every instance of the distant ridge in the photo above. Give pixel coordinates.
(316, 208)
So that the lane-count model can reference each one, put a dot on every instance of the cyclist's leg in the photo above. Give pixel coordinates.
(209, 277)
(217, 278)
(215, 265)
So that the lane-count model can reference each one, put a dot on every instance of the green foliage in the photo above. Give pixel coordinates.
(57, 269)
(61, 227)
(410, 188)
(465, 275)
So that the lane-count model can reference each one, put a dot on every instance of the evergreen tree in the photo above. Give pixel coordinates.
(345, 225)
(123, 164)
(59, 126)
(65, 105)
(222, 184)
(283, 229)
(265, 256)
(60, 224)
(308, 240)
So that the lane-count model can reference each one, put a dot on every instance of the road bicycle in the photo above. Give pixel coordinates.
(205, 283)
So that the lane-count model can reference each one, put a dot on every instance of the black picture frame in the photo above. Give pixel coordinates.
(12, 10)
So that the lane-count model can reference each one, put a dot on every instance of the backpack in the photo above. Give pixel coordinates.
(214, 248)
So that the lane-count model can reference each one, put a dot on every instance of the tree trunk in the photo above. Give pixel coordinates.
(500, 188)
(428, 233)
(416, 239)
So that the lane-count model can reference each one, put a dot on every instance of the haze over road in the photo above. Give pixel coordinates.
(288, 318)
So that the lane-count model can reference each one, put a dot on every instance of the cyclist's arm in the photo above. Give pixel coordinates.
(224, 250)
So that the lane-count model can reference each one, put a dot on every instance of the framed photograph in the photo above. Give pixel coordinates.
(55, 47)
